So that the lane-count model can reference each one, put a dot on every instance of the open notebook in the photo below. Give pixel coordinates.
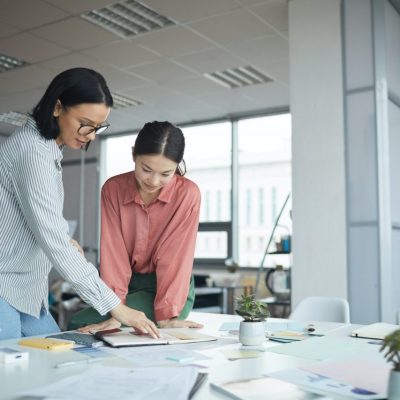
(127, 337)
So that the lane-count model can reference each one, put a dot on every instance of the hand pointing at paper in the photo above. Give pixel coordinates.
(127, 316)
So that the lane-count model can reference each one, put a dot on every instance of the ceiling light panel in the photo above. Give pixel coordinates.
(8, 63)
(127, 18)
(121, 101)
(238, 77)
(13, 118)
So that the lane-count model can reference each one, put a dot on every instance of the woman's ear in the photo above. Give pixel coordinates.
(57, 109)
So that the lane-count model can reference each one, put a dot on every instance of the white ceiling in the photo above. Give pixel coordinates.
(162, 69)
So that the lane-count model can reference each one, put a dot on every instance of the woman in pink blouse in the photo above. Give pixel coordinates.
(148, 233)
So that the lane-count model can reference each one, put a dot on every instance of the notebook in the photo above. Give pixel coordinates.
(375, 331)
(124, 337)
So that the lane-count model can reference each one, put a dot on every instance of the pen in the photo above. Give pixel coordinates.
(78, 362)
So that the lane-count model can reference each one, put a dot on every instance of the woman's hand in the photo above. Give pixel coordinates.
(136, 319)
(109, 324)
(178, 323)
(78, 246)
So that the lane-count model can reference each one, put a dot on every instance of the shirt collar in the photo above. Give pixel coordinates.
(132, 191)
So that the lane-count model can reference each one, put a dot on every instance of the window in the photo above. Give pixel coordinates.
(264, 167)
(264, 180)
(208, 161)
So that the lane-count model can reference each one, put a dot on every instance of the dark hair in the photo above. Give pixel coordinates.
(162, 138)
(72, 87)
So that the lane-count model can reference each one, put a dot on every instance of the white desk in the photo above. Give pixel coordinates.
(40, 370)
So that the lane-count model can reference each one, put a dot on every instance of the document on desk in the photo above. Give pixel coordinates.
(369, 374)
(322, 348)
(105, 383)
(264, 388)
(127, 337)
(318, 383)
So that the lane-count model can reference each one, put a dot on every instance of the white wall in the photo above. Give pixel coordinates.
(316, 104)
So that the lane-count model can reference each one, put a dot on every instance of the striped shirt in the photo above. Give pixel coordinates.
(33, 233)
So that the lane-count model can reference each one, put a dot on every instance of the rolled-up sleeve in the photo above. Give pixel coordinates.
(37, 192)
(174, 259)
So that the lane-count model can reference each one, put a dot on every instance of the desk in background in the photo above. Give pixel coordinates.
(219, 299)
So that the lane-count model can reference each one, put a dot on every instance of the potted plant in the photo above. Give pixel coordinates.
(251, 331)
(391, 347)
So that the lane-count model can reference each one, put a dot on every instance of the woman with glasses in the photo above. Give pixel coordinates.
(33, 233)
(149, 221)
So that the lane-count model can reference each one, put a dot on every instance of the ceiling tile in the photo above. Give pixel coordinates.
(227, 103)
(79, 6)
(187, 10)
(196, 85)
(173, 41)
(29, 75)
(275, 13)
(7, 30)
(150, 94)
(75, 33)
(277, 71)
(122, 54)
(30, 14)
(118, 80)
(73, 60)
(161, 71)
(270, 49)
(236, 26)
(22, 102)
(267, 95)
(209, 60)
(30, 48)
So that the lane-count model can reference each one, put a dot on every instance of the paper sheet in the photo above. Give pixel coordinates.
(105, 383)
(164, 355)
(322, 348)
(371, 375)
(323, 384)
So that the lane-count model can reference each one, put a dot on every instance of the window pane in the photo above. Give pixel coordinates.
(208, 161)
(117, 156)
(264, 183)
(211, 245)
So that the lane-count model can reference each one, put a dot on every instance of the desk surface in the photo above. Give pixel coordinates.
(40, 370)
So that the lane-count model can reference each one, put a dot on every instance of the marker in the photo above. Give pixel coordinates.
(78, 362)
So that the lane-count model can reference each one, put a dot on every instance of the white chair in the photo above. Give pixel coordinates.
(332, 309)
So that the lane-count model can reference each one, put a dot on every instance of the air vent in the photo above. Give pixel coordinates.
(127, 18)
(238, 77)
(13, 118)
(8, 63)
(121, 101)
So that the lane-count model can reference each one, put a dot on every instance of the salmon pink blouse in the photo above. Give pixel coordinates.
(158, 238)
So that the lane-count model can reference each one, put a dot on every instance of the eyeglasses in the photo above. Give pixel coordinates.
(85, 130)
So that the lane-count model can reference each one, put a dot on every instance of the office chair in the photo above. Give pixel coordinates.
(332, 309)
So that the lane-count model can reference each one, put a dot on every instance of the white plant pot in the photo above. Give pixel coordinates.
(251, 333)
(394, 385)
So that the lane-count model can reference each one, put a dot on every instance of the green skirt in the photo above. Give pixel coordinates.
(141, 294)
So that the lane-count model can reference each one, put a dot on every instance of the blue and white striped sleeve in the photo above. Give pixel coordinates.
(38, 187)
